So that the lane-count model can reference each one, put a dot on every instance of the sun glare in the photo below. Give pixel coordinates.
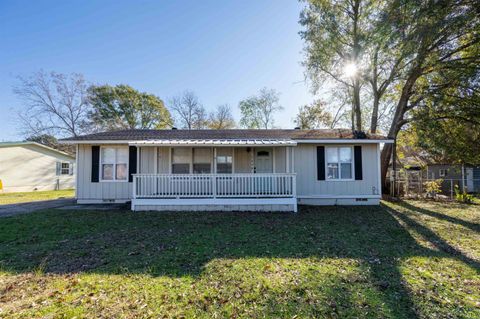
(350, 70)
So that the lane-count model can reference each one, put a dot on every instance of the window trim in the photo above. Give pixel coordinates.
(339, 179)
(444, 171)
(232, 155)
(191, 160)
(70, 168)
(100, 170)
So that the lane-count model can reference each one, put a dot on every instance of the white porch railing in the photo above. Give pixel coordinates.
(214, 185)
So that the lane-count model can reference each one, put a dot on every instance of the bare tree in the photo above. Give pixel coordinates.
(221, 118)
(188, 111)
(54, 104)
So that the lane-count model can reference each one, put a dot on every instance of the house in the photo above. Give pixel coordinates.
(268, 170)
(30, 166)
(467, 175)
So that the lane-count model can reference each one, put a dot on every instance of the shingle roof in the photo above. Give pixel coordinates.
(292, 134)
(13, 144)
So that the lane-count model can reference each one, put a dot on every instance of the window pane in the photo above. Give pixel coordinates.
(346, 170)
(202, 155)
(121, 173)
(107, 171)
(108, 155)
(332, 171)
(201, 168)
(332, 154)
(224, 168)
(345, 155)
(181, 155)
(180, 168)
(65, 169)
(122, 155)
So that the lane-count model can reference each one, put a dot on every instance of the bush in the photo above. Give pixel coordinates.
(463, 197)
(433, 188)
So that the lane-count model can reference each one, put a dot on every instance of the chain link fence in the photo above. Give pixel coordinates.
(416, 185)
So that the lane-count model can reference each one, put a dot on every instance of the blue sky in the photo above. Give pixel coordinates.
(222, 50)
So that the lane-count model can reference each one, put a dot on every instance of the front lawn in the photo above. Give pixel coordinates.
(400, 260)
(13, 198)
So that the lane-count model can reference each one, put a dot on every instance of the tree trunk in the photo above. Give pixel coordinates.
(356, 105)
(374, 122)
(396, 125)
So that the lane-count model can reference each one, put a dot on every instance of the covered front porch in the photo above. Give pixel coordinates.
(215, 175)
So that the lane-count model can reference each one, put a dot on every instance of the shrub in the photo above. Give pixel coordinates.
(433, 187)
(463, 197)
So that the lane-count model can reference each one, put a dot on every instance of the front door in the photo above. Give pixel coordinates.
(263, 160)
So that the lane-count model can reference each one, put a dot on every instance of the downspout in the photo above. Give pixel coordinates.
(463, 178)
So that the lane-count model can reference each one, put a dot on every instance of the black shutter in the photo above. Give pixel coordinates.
(132, 162)
(321, 163)
(358, 162)
(95, 163)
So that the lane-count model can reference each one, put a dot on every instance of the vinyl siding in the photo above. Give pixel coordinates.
(306, 168)
(303, 157)
(101, 190)
(242, 160)
(26, 168)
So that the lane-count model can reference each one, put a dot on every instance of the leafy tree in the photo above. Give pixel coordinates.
(314, 116)
(221, 118)
(51, 141)
(123, 107)
(45, 139)
(189, 112)
(408, 50)
(54, 104)
(257, 111)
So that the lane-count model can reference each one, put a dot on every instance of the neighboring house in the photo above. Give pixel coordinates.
(270, 170)
(451, 172)
(29, 166)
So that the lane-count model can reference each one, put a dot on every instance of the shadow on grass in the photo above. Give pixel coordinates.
(179, 244)
(473, 226)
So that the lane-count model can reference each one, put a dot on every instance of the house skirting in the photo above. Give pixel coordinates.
(216, 204)
(339, 200)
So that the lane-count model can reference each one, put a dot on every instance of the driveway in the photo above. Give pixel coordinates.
(23, 208)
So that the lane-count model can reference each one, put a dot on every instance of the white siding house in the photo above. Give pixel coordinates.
(259, 170)
(29, 166)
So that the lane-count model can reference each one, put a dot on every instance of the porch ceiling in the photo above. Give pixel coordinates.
(216, 142)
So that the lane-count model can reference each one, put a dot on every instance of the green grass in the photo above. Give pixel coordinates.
(13, 198)
(400, 260)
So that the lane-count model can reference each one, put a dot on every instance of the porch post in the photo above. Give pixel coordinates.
(252, 160)
(273, 158)
(293, 159)
(139, 149)
(155, 168)
(214, 176)
(155, 156)
(287, 159)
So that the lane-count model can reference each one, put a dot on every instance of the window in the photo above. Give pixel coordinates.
(114, 163)
(201, 160)
(65, 169)
(443, 172)
(181, 158)
(224, 161)
(339, 163)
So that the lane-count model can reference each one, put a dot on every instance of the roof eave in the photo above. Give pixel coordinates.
(295, 142)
